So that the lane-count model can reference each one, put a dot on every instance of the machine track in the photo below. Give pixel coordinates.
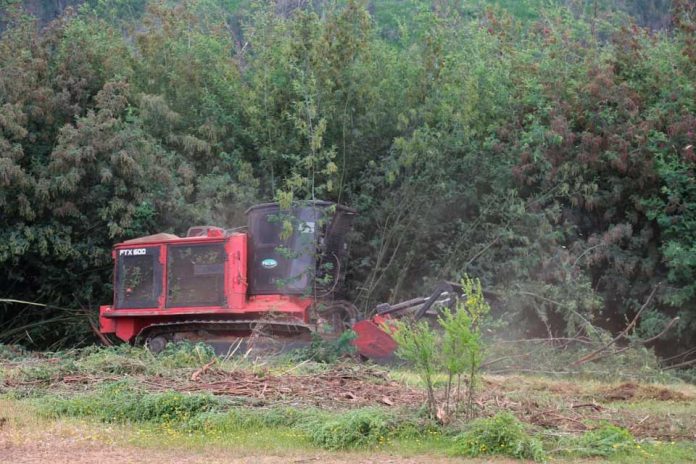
(262, 336)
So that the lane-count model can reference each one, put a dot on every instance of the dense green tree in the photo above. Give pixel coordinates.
(545, 147)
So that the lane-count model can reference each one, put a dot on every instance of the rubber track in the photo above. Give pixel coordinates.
(220, 325)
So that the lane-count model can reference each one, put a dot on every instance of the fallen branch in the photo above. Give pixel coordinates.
(631, 325)
(594, 406)
(559, 304)
(611, 353)
(503, 358)
(546, 340)
(98, 334)
(33, 303)
(683, 354)
(664, 331)
(196, 375)
(682, 364)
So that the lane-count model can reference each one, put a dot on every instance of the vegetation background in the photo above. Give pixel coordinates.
(546, 147)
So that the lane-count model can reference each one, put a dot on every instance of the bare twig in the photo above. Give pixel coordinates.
(585, 252)
(554, 339)
(594, 406)
(33, 303)
(482, 251)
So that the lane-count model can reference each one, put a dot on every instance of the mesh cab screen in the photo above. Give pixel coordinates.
(195, 275)
(138, 278)
(314, 253)
(277, 265)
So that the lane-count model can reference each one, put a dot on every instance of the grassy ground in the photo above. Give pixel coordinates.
(27, 436)
(187, 406)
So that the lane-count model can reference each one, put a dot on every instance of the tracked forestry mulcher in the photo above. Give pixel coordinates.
(272, 284)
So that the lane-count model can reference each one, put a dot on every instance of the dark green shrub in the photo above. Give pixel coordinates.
(11, 352)
(501, 434)
(360, 428)
(186, 354)
(327, 351)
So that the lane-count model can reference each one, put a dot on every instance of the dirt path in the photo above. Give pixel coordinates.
(57, 451)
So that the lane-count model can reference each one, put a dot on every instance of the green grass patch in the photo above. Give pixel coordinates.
(239, 419)
(121, 402)
(202, 414)
(43, 373)
(243, 441)
(11, 352)
(658, 407)
(125, 359)
(605, 441)
(662, 452)
(360, 428)
(617, 444)
(186, 354)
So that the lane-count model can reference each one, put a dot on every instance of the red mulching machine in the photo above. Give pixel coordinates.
(267, 284)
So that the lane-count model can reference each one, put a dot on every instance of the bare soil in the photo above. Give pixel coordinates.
(58, 451)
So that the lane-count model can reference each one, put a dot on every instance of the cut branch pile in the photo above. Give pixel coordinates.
(568, 409)
(339, 387)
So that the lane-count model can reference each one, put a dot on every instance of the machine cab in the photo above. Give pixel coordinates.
(291, 249)
(176, 273)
